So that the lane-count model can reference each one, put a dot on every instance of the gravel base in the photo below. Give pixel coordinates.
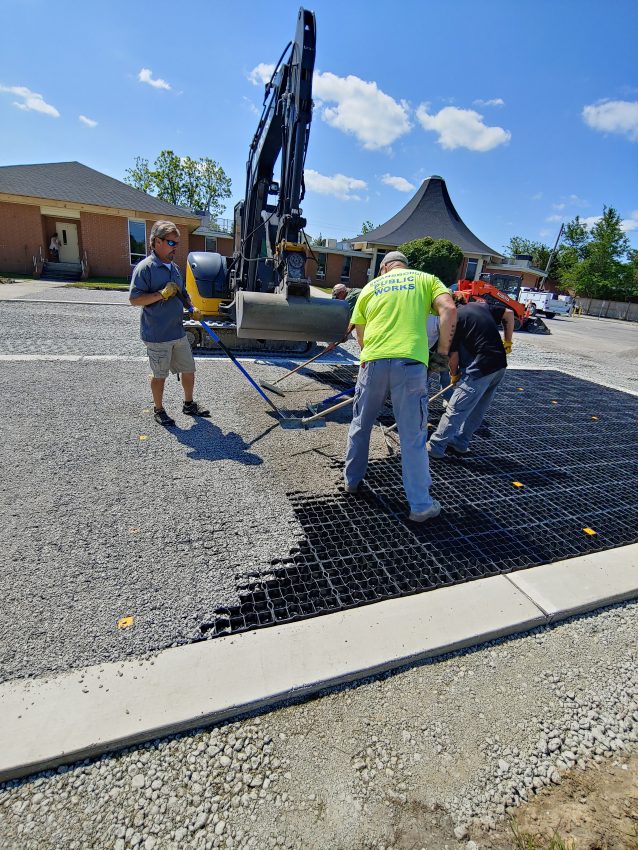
(100, 524)
(426, 754)
(416, 758)
(106, 514)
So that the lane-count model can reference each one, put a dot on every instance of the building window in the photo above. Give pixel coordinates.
(470, 269)
(137, 240)
(321, 266)
(210, 244)
(345, 269)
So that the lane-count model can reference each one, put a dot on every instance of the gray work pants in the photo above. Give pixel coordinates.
(470, 400)
(406, 381)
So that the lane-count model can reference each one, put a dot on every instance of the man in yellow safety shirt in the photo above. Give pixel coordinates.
(390, 323)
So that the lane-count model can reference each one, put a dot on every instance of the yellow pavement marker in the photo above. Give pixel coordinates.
(125, 622)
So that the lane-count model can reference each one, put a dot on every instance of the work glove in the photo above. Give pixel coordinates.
(169, 290)
(197, 314)
(454, 379)
(439, 362)
(507, 346)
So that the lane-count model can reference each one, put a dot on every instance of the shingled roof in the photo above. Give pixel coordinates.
(429, 213)
(74, 182)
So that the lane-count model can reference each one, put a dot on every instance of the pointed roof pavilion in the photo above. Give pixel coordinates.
(429, 213)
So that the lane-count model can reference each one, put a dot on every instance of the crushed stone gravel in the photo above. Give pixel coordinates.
(429, 753)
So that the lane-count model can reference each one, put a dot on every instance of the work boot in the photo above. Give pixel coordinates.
(429, 513)
(191, 408)
(351, 488)
(432, 454)
(460, 452)
(162, 417)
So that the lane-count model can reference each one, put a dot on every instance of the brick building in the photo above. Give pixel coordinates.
(103, 224)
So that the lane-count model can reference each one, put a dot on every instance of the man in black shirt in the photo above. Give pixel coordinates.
(484, 369)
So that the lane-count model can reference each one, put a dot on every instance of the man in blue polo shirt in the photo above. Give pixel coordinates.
(157, 287)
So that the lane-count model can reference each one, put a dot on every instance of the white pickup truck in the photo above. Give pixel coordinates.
(544, 302)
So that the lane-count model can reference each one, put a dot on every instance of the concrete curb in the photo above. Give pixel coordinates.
(79, 714)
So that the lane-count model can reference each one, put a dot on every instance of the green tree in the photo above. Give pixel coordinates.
(538, 251)
(436, 256)
(592, 263)
(573, 248)
(318, 240)
(366, 227)
(140, 176)
(198, 184)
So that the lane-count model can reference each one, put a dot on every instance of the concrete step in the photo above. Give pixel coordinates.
(61, 271)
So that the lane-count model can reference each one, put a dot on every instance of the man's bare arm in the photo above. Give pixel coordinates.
(508, 324)
(444, 306)
(359, 329)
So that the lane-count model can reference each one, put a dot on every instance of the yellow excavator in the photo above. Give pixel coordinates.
(261, 299)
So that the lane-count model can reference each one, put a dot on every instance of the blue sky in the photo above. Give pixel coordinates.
(529, 110)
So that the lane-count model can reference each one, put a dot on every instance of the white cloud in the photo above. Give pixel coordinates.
(630, 223)
(558, 206)
(590, 221)
(339, 186)
(398, 183)
(555, 217)
(31, 101)
(250, 105)
(495, 101)
(462, 128)
(537, 196)
(361, 110)
(146, 76)
(614, 116)
(88, 121)
(261, 74)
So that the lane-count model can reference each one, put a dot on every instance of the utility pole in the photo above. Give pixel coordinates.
(551, 256)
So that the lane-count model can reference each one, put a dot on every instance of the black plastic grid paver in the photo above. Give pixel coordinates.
(578, 473)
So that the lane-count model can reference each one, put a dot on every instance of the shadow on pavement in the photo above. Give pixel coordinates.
(207, 441)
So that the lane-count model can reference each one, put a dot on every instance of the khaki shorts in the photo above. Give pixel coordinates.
(174, 356)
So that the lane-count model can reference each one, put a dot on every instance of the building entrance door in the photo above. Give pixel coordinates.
(69, 245)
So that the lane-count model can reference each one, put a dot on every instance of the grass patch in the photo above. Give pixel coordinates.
(530, 841)
(117, 283)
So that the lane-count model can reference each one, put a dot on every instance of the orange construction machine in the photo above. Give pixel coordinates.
(503, 290)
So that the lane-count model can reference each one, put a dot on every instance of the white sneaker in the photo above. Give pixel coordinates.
(429, 513)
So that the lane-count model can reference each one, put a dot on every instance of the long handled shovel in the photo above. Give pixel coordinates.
(323, 413)
(273, 386)
(284, 421)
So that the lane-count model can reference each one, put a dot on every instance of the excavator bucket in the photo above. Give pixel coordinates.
(261, 315)
(534, 325)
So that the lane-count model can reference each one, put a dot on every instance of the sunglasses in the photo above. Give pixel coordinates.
(170, 242)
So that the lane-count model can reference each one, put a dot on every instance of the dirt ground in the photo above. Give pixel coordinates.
(594, 809)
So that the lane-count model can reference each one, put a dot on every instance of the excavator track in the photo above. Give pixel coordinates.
(534, 325)
(227, 331)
